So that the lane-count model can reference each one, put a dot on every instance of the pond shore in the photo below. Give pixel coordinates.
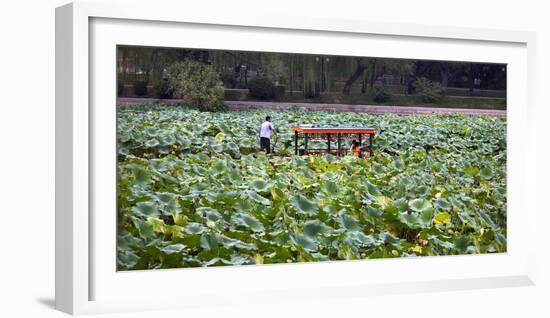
(371, 109)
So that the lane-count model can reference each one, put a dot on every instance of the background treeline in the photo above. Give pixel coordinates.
(145, 72)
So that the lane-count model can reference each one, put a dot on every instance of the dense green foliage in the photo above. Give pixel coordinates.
(428, 91)
(193, 190)
(119, 88)
(320, 78)
(140, 87)
(261, 88)
(198, 84)
(381, 93)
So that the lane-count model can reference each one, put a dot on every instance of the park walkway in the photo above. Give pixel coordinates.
(371, 109)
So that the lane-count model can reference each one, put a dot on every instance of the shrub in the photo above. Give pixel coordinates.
(228, 79)
(233, 95)
(162, 89)
(140, 88)
(198, 84)
(428, 91)
(261, 88)
(309, 90)
(381, 93)
(160, 81)
(279, 92)
(119, 88)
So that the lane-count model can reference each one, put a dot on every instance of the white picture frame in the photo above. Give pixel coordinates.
(86, 281)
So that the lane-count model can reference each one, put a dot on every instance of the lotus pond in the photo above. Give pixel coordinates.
(193, 190)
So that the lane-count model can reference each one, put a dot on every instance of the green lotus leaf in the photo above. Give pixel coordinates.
(258, 198)
(486, 219)
(173, 248)
(218, 167)
(165, 196)
(419, 205)
(146, 209)
(152, 143)
(259, 185)
(501, 239)
(304, 241)
(199, 170)
(303, 205)
(422, 191)
(461, 243)
(374, 212)
(388, 238)
(471, 171)
(372, 190)
(231, 146)
(315, 227)
(330, 187)
(235, 175)
(127, 259)
(209, 241)
(228, 242)
(411, 220)
(362, 239)
(248, 221)
(401, 204)
(399, 165)
(215, 148)
(377, 168)
(239, 259)
(485, 173)
(210, 214)
(442, 243)
(442, 204)
(146, 230)
(141, 175)
(194, 228)
(349, 222)
(426, 217)
(213, 261)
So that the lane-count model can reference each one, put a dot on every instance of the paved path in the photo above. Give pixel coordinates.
(371, 109)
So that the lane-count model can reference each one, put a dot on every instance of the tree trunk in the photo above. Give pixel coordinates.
(373, 75)
(471, 79)
(356, 74)
(444, 70)
(409, 82)
(291, 74)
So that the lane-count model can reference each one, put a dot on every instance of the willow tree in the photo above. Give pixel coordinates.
(448, 70)
(291, 62)
(309, 77)
(274, 67)
(360, 68)
(375, 67)
(134, 61)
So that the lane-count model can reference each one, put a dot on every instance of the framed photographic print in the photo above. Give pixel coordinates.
(266, 155)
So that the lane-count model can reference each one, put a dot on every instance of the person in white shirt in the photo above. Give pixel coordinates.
(265, 134)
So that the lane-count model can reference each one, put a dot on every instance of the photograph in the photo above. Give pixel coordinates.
(229, 157)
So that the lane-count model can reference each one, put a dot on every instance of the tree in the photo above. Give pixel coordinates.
(448, 70)
(428, 91)
(197, 83)
(374, 65)
(471, 79)
(274, 67)
(357, 73)
(161, 59)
